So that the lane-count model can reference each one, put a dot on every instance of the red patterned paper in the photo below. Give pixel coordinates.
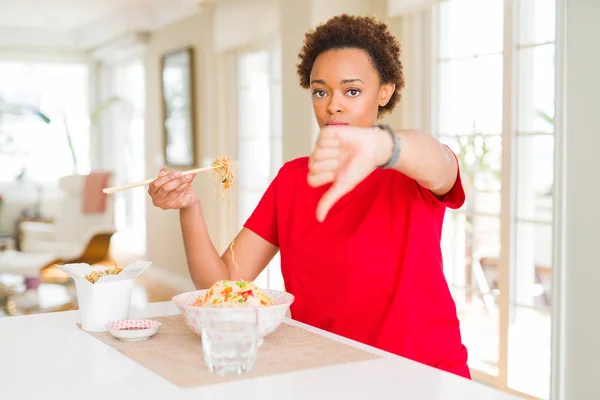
(134, 324)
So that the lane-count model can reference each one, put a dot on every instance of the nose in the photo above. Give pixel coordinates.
(334, 106)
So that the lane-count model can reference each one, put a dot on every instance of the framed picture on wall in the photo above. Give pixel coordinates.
(177, 82)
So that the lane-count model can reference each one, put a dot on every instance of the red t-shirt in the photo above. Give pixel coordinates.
(372, 271)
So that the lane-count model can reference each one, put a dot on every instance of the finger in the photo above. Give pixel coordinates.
(188, 178)
(325, 143)
(165, 190)
(320, 179)
(331, 132)
(161, 173)
(175, 196)
(170, 186)
(325, 154)
(164, 176)
(159, 182)
(318, 167)
(328, 200)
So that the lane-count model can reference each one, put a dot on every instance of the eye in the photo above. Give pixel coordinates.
(319, 93)
(353, 92)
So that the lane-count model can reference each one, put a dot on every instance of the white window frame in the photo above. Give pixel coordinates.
(272, 273)
(423, 24)
(104, 66)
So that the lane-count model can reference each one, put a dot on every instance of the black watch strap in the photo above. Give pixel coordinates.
(395, 149)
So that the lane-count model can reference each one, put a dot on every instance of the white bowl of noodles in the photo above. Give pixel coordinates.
(269, 316)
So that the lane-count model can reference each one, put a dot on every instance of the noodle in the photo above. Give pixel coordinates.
(224, 177)
(228, 293)
(95, 275)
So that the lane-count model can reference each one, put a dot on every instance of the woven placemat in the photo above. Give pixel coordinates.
(175, 353)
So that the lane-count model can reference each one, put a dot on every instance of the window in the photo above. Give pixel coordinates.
(259, 139)
(29, 147)
(122, 113)
(498, 246)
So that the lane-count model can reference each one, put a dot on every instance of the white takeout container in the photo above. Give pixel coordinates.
(108, 299)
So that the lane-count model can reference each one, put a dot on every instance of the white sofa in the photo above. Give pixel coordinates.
(19, 196)
(74, 236)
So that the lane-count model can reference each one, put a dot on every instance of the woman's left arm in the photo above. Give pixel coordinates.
(422, 158)
(345, 155)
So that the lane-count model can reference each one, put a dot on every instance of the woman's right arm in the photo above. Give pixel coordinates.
(251, 253)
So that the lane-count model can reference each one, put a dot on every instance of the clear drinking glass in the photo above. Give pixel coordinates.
(229, 340)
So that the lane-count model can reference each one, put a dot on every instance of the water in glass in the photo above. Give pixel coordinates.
(229, 340)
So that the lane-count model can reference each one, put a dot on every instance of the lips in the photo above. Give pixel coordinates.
(336, 123)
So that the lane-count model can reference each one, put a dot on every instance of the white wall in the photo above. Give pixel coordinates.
(239, 23)
(297, 117)
(580, 333)
(164, 241)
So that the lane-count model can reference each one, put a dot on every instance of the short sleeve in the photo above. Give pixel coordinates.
(455, 198)
(263, 220)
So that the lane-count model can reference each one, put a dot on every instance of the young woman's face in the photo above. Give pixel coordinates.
(346, 88)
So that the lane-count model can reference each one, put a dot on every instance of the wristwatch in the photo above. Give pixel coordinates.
(395, 149)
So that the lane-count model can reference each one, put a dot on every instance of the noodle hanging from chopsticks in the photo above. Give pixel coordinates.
(223, 174)
(224, 177)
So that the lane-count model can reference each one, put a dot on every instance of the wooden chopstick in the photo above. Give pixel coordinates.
(111, 190)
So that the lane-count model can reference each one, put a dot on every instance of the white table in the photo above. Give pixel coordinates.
(46, 356)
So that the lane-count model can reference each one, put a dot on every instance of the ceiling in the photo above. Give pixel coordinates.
(57, 14)
(82, 25)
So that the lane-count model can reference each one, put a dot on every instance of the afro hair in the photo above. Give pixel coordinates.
(356, 32)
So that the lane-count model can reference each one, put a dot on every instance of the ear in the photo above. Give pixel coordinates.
(385, 93)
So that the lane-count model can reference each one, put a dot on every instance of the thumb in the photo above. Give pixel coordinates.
(350, 175)
(339, 188)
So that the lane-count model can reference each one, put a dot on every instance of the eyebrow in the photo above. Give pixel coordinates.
(343, 81)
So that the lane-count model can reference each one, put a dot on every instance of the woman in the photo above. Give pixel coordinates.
(358, 223)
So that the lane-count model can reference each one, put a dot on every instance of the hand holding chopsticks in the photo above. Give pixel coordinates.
(111, 190)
